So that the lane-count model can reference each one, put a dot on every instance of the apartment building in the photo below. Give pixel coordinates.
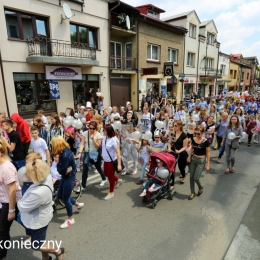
(160, 58)
(42, 51)
(200, 55)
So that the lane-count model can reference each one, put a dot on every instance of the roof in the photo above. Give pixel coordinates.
(237, 55)
(177, 16)
(204, 23)
(124, 5)
(224, 54)
(240, 63)
(179, 29)
(152, 7)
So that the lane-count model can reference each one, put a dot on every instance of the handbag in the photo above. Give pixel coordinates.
(235, 145)
(115, 161)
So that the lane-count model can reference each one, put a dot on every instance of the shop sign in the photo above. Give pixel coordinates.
(63, 73)
(150, 71)
(54, 89)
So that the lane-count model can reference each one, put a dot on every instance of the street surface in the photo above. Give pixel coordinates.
(125, 228)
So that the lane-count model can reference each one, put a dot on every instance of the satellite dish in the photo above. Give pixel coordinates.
(67, 12)
(127, 20)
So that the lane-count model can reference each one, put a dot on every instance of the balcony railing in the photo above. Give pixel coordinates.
(119, 20)
(122, 63)
(42, 46)
(212, 72)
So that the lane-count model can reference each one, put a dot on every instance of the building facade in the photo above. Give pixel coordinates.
(160, 58)
(40, 50)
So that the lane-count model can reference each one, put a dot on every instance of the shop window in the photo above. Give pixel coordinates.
(153, 52)
(32, 93)
(81, 87)
(85, 36)
(23, 26)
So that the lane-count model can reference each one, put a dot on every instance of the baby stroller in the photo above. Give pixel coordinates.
(76, 193)
(165, 180)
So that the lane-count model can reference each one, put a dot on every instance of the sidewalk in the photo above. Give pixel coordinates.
(246, 243)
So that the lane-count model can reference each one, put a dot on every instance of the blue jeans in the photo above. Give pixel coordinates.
(86, 169)
(64, 193)
(143, 170)
(220, 148)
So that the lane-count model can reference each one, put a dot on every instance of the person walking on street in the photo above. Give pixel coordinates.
(199, 159)
(232, 145)
(67, 169)
(110, 154)
(10, 194)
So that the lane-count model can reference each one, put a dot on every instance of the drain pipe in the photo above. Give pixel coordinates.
(3, 79)
(109, 48)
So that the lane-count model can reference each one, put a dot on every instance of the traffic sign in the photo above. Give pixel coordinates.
(182, 75)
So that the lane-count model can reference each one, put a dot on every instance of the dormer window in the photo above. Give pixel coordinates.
(153, 14)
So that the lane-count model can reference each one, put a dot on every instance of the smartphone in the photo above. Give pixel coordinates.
(69, 169)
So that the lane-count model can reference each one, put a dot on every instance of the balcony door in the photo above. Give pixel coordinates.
(128, 54)
(116, 55)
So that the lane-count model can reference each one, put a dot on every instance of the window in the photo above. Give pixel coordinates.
(192, 31)
(235, 74)
(80, 88)
(23, 26)
(247, 76)
(153, 14)
(86, 36)
(223, 69)
(115, 55)
(231, 73)
(173, 55)
(209, 63)
(210, 37)
(153, 52)
(191, 59)
(242, 78)
(32, 93)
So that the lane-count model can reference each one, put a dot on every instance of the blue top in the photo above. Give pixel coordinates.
(66, 160)
(191, 106)
(249, 104)
(203, 104)
(222, 126)
(159, 145)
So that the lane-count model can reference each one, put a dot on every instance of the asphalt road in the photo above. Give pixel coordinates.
(125, 228)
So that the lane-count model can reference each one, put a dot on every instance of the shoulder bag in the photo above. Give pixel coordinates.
(234, 145)
(115, 161)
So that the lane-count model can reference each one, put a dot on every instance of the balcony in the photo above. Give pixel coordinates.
(122, 63)
(41, 49)
(211, 72)
(119, 22)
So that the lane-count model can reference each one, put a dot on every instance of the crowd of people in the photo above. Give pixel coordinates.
(107, 140)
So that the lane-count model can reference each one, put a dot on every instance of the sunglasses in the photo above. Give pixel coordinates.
(91, 128)
(197, 134)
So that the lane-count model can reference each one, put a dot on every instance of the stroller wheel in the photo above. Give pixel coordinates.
(144, 200)
(155, 203)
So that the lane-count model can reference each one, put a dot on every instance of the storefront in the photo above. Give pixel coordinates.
(187, 89)
(201, 91)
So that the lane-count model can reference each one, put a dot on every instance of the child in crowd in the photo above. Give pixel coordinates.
(105, 117)
(39, 145)
(114, 113)
(43, 117)
(257, 130)
(129, 152)
(62, 117)
(2, 131)
(100, 104)
(190, 128)
(54, 173)
(78, 138)
(152, 182)
(157, 143)
(145, 155)
(251, 126)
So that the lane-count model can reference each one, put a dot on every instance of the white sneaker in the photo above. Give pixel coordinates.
(79, 207)
(67, 223)
(96, 171)
(78, 189)
(120, 181)
(102, 183)
(135, 172)
(256, 142)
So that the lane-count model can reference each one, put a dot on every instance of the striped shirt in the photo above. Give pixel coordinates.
(8, 174)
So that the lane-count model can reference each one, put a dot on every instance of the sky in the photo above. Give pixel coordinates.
(237, 21)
